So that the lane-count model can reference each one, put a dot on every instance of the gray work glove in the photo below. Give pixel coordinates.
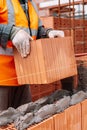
(55, 33)
(21, 40)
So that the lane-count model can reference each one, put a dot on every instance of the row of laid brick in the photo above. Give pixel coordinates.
(80, 48)
(73, 118)
(56, 22)
(71, 27)
(41, 90)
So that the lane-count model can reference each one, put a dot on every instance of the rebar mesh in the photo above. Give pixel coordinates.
(74, 20)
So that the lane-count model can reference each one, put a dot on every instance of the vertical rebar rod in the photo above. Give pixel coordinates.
(73, 23)
(59, 12)
(69, 18)
(83, 23)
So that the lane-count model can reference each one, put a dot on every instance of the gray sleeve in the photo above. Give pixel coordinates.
(5, 30)
(43, 32)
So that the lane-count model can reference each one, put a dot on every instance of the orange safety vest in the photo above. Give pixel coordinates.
(12, 12)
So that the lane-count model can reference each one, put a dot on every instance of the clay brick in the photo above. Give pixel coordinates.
(35, 97)
(78, 48)
(38, 91)
(51, 59)
(73, 117)
(84, 114)
(68, 24)
(44, 12)
(54, 22)
(8, 127)
(46, 93)
(57, 85)
(44, 125)
(46, 87)
(35, 89)
(81, 57)
(75, 81)
(60, 121)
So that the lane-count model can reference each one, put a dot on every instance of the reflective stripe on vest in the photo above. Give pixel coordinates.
(7, 51)
(14, 14)
(35, 7)
(10, 12)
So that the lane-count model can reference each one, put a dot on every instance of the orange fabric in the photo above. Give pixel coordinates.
(34, 37)
(7, 71)
(20, 17)
(3, 12)
(33, 17)
(7, 68)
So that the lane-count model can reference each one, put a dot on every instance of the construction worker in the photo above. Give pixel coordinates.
(19, 24)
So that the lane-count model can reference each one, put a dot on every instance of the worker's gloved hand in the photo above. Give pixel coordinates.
(55, 33)
(21, 41)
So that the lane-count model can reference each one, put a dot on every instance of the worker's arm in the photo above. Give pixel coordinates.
(19, 38)
(43, 33)
(5, 30)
